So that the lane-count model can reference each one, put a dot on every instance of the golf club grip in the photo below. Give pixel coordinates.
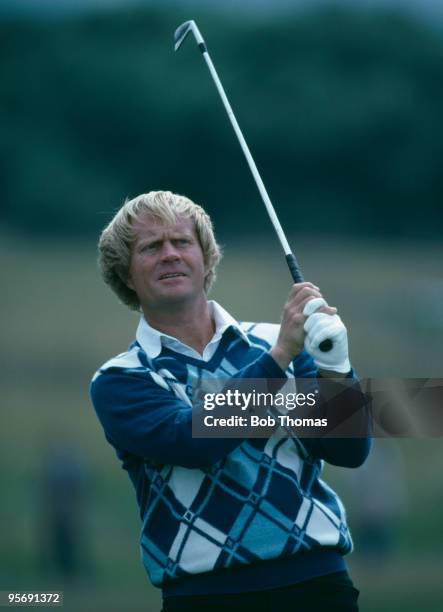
(294, 268)
(297, 277)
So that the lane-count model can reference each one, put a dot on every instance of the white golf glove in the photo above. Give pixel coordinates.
(320, 326)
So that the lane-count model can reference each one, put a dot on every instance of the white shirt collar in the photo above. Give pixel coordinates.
(152, 340)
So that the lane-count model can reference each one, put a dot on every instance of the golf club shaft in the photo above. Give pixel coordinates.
(290, 257)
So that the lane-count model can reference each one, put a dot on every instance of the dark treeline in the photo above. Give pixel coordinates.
(342, 111)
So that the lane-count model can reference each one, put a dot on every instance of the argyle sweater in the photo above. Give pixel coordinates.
(221, 515)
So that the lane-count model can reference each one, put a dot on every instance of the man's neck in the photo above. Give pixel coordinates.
(192, 324)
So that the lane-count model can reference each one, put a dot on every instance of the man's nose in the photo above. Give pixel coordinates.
(169, 252)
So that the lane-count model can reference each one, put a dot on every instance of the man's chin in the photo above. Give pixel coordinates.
(176, 296)
(172, 295)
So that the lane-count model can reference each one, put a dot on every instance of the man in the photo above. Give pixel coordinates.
(228, 524)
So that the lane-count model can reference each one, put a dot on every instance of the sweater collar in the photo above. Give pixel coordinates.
(152, 340)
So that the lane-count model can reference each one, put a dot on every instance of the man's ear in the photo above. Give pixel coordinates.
(126, 279)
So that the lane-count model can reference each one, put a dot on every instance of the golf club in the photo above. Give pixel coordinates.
(179, 36)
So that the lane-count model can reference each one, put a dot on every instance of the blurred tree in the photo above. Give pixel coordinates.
(341, 110)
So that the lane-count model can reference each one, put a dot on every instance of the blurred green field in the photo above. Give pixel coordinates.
(61, 323)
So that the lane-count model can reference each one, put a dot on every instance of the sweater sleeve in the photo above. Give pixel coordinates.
(343, 401)
(146, 420)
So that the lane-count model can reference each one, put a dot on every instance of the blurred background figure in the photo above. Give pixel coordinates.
(63, 498)
(379, 497)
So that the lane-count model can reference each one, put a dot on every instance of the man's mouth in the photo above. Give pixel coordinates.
(171, 275)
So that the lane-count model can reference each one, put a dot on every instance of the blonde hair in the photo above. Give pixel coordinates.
(116, 240)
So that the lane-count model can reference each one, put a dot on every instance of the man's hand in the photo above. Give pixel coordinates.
(291, 339)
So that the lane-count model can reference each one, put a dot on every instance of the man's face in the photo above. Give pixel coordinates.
(167, 266)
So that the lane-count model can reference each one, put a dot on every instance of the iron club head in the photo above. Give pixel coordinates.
(183, 30)
(180, 34)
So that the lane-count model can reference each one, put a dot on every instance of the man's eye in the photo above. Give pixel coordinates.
(149, 247)
(183, 241)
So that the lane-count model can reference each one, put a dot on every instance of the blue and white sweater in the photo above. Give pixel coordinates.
(221, 515)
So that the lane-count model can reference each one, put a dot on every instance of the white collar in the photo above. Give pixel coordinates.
(151, 340)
